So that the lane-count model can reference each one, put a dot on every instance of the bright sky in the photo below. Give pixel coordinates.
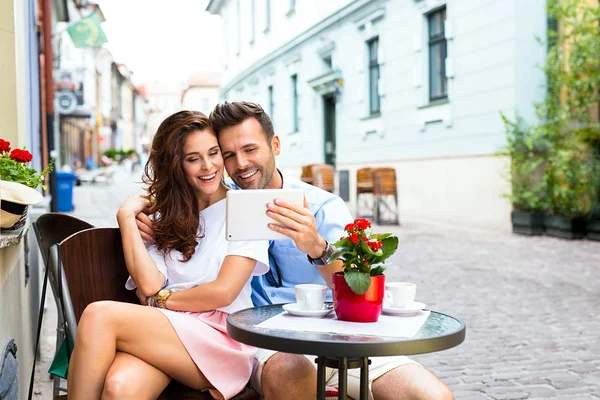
(162, 40)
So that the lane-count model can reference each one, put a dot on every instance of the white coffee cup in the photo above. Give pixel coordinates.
(400, 294)
(311, 297)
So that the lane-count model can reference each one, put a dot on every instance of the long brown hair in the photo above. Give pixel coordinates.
(177, 221)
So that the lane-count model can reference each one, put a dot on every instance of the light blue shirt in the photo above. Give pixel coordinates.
(331, 215)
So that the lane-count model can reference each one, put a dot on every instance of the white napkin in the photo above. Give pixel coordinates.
(392, 326)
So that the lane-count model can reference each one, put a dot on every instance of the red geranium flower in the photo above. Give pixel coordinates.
(4, 146)
(349, 228)
(362, 223)
(375, 245)
(354, 238)
(21, 155)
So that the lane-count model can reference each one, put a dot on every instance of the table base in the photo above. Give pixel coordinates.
(343, 364)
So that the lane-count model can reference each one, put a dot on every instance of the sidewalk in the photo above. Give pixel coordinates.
(530, 303)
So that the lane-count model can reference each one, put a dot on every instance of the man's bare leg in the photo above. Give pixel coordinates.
(410, 382)
(289, 376)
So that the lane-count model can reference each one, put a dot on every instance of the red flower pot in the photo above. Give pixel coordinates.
(353, 307)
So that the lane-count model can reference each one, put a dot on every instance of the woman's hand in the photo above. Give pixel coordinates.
(144, 224)
(133, 206)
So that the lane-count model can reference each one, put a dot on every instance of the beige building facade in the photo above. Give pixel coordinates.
(16, 303)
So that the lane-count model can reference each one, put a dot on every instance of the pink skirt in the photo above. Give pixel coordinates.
(227, 364)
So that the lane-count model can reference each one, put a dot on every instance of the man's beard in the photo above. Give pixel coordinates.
(261, 183)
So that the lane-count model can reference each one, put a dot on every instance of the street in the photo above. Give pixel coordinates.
(530, 304)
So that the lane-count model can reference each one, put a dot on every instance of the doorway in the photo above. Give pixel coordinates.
(329, 127)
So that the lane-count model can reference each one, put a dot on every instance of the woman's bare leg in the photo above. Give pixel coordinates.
(144, 332)
(132, 378)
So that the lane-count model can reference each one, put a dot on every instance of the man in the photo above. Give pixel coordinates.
(249, 147)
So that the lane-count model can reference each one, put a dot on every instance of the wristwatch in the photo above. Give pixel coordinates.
(324, 258)
(162, 296)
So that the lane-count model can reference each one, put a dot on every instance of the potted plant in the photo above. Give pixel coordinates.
(18, 185)
(358, 291)
(591, 135)
(528, 152)
(575, 181)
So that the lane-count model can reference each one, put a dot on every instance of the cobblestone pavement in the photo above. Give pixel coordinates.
(530, 304)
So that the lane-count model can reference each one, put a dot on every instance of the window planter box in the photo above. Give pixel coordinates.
(527, 222)
(592, 227)
(565, 228)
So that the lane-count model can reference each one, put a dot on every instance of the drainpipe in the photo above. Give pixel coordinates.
(49, 83)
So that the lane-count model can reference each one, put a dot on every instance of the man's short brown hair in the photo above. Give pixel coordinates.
(234, 113)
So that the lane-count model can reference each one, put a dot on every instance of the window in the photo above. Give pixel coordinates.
(252, 21)
(438, 84)
(267, 15)
(327, 62)
(373, 46)
(239, 30)
(295, 102)
(271, 104)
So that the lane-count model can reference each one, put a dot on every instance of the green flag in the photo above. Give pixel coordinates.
(87, 32)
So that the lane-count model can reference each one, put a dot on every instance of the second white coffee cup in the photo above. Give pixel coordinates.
(310, 296)
(400, 294)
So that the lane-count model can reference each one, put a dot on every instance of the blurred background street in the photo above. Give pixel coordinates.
(469, 128)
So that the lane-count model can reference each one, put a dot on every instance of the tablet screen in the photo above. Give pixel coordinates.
(247, 212)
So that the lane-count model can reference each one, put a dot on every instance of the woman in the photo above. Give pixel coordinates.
(191, 279)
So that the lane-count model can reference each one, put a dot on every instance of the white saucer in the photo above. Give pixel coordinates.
(412, 310)
(293, 309)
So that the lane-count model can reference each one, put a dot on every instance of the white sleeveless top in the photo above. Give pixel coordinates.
(205, 264)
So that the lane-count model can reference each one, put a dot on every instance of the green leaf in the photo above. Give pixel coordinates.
(341, 243)
(359, 282)
(378, 270)
(389, 247)
(382, 236)
(340, 253)
(365, 247)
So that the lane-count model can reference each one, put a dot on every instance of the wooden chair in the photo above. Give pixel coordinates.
(319, 175)
(386, 196)
(94, 269)
(364, 192)
(307, 174)
(325, 177)
(50, 229)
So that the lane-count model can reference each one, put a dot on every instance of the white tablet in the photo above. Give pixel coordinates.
(247, 212)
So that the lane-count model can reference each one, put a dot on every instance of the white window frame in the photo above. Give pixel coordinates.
(291, 8)
(238, 18)
(439, 110)
(372, 86)
(268, 14)
(369, 28)
(293, 67)
(252, 21)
